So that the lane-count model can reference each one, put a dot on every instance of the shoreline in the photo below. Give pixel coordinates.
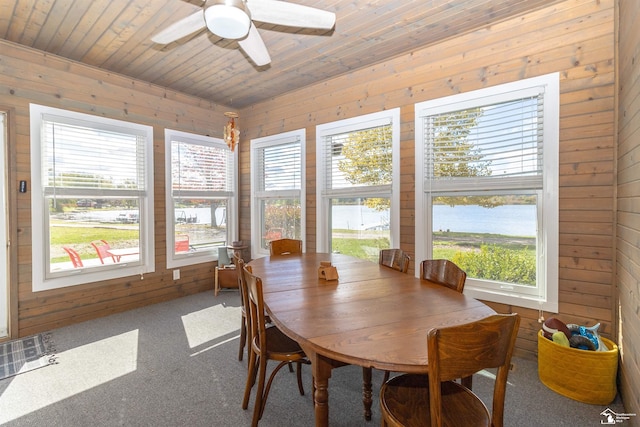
(475, 239)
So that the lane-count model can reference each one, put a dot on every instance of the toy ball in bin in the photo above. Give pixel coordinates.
(553, 325)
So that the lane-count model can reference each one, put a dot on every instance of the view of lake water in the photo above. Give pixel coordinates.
(200, 215)
(515, 220)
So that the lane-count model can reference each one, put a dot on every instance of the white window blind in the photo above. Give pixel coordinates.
(502, 141)
(85, 159)
(199, 169)
(280, 166)
(359, 158)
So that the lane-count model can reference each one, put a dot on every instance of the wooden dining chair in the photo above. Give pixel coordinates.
(285, 246)
(398, 260)
(267, 343)
(394, 258)
(446, 273)
(443, 272)
(244, 321)
(453, 352)
(245, 327)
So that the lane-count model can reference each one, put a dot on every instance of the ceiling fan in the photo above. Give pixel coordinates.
(233, 19)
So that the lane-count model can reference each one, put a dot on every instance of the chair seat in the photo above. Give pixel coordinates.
(406, 400)
(281, 347)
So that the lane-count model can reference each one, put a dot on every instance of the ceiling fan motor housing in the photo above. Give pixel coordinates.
(232, 19)
(229, 19)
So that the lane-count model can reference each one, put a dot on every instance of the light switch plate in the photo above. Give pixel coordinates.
(176, 274)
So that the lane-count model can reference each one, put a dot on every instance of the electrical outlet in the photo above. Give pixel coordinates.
(176, 274)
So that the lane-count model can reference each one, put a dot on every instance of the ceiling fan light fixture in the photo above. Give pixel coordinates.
(228, 19)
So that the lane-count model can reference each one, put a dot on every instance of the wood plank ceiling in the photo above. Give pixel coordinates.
(115, 35)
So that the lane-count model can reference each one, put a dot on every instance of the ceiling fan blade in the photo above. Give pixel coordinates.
(254, 47)
(290, 14)
(184, 27)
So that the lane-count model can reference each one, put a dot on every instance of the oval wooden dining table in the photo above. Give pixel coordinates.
(371, 316)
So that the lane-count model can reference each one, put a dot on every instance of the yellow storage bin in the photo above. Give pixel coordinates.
(583, 375)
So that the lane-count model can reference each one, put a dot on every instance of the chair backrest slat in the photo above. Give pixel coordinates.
(285, 246)
(244, 296)
(443, 272)
(255, 307)
(394, 258)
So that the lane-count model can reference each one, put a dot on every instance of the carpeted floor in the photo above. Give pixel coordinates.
(175, 364)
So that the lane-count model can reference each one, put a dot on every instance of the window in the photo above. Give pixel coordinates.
(278, 197)
(487, 189)
(201, 197)
(358, 178)
(92, 182)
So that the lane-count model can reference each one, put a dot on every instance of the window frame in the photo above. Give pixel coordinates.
(40, 215)
(258, 195)
(546, 296)
(184, 259)
(324, 195)
(4, 229)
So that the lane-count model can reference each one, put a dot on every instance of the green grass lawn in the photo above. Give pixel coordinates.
(70, 235)
(364, 245)
(360, 248)
(504, 258)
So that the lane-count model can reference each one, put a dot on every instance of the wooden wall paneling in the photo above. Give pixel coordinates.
(51, 81)
(590, 300)
(583, 275)
(470, 48)
(594, 288)
(629, 289)
(595, 241)
(572, 37)
(30, 76)
(586, 251)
